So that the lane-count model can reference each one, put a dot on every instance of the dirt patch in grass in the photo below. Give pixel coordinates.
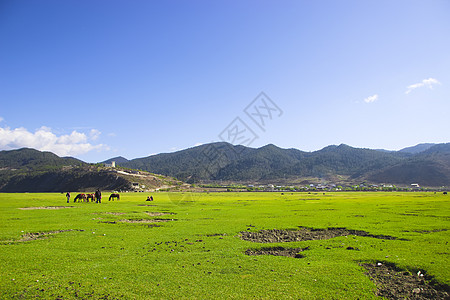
(45, 207)
(145, 220)
(395, 283)
(157, 214)
(304, 234)
(430, 231)
(108, 222)
(277, 251)
(32, 236)
(216, 234)
(109, 213)
(65, 290)
(151, 225)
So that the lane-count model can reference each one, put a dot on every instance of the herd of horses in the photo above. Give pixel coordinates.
(91, 197)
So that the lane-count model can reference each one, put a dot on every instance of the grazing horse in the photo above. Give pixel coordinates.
(113, 196)
(80, 197)
(90, 196)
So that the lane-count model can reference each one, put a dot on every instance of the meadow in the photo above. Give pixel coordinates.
(189, 245)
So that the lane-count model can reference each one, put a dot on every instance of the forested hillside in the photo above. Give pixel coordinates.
(32, 170)
(222, 161)
(29, 170)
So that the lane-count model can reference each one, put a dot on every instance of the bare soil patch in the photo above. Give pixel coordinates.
(45, 207)
(145, 220)
(157, 214)
(304, 234)
(430, 231)
(277, 251)
(108, 222)
(395, 283)
(32, 236)
(216, 234)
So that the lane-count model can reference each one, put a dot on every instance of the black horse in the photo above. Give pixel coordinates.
(80, 198)
(114, 196)
(90, 196)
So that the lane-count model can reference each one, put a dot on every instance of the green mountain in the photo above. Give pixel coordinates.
(430, 167)
(76, 179)
(30, 159)
(343, 160)
(118, 160)
(417, 148)
(222, 161)
(29, 170)
(193, 164)
(260, 164)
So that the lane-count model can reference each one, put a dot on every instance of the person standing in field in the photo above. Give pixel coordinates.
(98, 196)
(68, 196)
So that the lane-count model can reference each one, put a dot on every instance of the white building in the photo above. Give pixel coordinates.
(111, 165)
(415, 186)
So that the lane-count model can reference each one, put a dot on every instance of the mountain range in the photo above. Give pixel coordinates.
(30, 170)
(35, 171)
(425, 164)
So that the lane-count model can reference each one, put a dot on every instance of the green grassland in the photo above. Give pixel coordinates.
(194, 250)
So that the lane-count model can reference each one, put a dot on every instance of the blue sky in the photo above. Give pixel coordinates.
(99, 79)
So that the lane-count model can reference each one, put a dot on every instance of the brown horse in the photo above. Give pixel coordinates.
(114, 196)
(80, 198)
(90, 196)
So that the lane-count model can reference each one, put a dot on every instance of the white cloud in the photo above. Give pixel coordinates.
(371, 99)
(424, 83)
(1, 119)
(94, 134)
(44, 139)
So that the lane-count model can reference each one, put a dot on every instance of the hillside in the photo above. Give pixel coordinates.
(35, 171)
(118, 160)
(222, 161)
(29, 170)
(417, 148)
(193, 164)
(30, 159)
(430, 167)
(76, 179)
(343, 160)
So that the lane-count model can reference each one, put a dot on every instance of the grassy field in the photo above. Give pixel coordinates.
(188, 245)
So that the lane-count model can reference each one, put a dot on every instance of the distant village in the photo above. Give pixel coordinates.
(334, 187)
(321, 187)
